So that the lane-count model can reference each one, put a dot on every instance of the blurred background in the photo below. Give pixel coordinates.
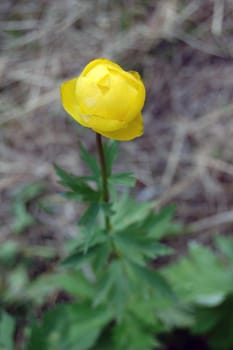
(184, 51)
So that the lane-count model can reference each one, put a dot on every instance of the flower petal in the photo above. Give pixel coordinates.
(108, 125)
(134, 129)
(69, 100)
(103, 62)
(104, 89)
(107, 99)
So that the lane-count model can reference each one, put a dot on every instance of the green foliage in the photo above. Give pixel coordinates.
(117, 299)
(216, 323)
(137, 229)
(133, 334)
(201, 277)
(125, 179)
(225, 246)
(80, 256)
(22, 218)
(91, 162)
(215, 319)
(69, 326)
(13, 274)
(79, 187)
(16, 283)
(8, 252)
(106, 270)
(7, 328)
(73, 282)
(111, 151)
(127, 211)
(203, 282)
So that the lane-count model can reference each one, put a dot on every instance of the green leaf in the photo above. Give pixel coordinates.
(22, 218)
(105, 341)
(68, 326)
(77, 254)
(205, 319)
(81, 189)
(152, 279)
(126, 179)
(143, 309)
(225, 244)
(134, 243)
(77, 244)
(90, 215)
(73, 282)
(83, 194)
(9, 251)
(175, 315)
(17, 282)
(70, 177)
(88, 220)
(201, 277)
(90, 161)
(101, 259)
(128, 211)
(132, 334)
(113, 288)
(161, 224)
(104, 287)
(216, 324)
(111, 151)
(7, 328)
(81, 256)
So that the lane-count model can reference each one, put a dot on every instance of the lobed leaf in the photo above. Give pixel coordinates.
(200, 277)
(68, 326)
(91, 162)
(111, 151)
(7, 329)
(126, 179)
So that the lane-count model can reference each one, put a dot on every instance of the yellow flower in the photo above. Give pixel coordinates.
(106, 99)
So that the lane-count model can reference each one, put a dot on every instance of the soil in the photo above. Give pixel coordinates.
(184, 52)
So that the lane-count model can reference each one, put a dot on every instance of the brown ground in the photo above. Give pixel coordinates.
(184, 51)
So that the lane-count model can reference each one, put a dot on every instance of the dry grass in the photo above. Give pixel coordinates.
(184, 50)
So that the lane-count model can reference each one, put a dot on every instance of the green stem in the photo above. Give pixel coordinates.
(100, 150)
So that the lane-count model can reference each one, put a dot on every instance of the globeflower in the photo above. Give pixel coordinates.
(107, 99)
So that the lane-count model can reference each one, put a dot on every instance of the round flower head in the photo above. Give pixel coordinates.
(106, 99)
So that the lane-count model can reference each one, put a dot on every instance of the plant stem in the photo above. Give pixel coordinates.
(100, 150)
